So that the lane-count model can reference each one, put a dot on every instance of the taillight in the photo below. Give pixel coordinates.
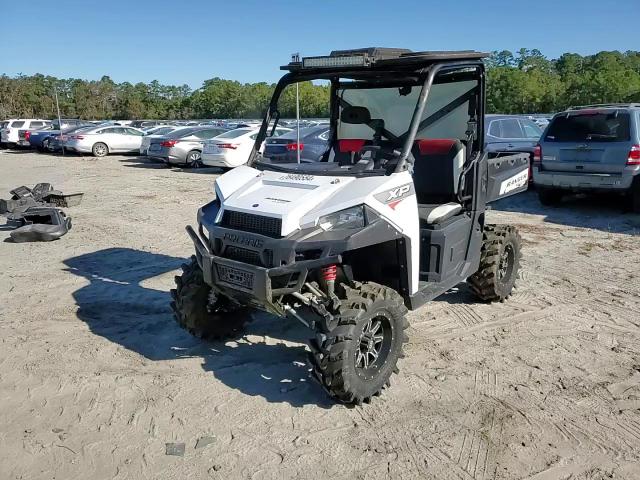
(634, 156)
(294, 147)
(168, 143)
(537, 154)
(232, 146)
(27, 135)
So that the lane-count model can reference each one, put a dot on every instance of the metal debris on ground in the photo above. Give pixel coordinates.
(175, 449)
(35, 214)
(204, 441)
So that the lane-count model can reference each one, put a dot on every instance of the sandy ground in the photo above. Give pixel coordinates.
(96, 379)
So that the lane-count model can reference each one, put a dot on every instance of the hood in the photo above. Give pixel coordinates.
(286, 196)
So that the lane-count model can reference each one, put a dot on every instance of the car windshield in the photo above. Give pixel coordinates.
(183, 132)
(590, 127)
(235, 133)
(303, 132)
(160, 131)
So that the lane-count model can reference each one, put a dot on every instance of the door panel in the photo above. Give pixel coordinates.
(507, 176)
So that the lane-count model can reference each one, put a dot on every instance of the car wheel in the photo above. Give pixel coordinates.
(45, 146)
(635, 195)
(194, 159)
(100, 149)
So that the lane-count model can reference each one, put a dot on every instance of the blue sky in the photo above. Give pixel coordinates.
(188, 41)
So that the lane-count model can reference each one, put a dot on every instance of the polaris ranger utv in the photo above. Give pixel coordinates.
(391, 217)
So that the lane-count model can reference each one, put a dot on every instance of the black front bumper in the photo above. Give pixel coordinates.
(249, 284)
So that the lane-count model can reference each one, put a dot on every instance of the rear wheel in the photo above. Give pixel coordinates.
(499, 263)
(194, 159)
(100, 149)
(635, 195)
(549, 196)
(199, 312)
(354, 361)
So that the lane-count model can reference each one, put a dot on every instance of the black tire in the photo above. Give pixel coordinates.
(192, 310)
(193, 159)
(499, 263)
(338, 358)
(635, 195)
(100, 149)
(550, 196)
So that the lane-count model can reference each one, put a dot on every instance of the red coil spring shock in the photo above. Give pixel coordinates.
(329, 273)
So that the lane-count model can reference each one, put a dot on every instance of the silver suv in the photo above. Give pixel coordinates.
(590, 148)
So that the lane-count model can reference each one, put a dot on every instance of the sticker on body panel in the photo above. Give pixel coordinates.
(512, 183)
(394, 196)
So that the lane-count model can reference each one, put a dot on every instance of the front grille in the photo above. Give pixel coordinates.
(243, 255)
(248, 222)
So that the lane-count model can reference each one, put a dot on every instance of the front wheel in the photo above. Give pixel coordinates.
(355, 360)
(100, 149)
(197, 310)
(499, 263)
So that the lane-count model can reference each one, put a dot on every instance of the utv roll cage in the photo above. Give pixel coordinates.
(387, 67)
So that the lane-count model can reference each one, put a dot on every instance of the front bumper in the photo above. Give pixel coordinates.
(249, 284)
(579, 182)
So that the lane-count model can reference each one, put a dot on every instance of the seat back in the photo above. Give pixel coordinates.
(348, 148)
(437, 168)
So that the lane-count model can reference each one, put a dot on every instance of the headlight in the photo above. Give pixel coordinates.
(349, 218)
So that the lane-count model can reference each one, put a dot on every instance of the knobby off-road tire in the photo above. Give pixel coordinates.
(499, 263)
(192, 310)
(371, 318)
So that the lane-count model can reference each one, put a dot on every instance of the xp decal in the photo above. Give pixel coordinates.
(394, 196)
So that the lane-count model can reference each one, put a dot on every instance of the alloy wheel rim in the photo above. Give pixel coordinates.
(374, 346)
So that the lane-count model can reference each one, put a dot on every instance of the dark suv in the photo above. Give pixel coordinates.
(592, 148)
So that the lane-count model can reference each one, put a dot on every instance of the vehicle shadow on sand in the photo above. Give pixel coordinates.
(268, 361)
(599, 212)
(143, 162)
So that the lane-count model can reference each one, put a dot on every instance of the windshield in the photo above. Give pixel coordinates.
(372, 120)
(590, 127)
(235, 133)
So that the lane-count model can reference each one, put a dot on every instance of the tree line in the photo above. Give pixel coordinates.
(521, 82)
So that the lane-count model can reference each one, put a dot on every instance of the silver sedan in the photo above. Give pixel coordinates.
(101, 141)
(182, 147)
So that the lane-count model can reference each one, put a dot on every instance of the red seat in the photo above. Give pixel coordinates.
(350, 145)
(435, 146)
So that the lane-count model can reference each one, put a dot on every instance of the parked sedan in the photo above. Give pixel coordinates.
(284, 149)
(184, 146)
(55, 142)
(40, 138)
(154, 133)
(232, 149)
(101, 141)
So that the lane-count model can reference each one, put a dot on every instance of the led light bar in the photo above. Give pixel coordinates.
(332, 62)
